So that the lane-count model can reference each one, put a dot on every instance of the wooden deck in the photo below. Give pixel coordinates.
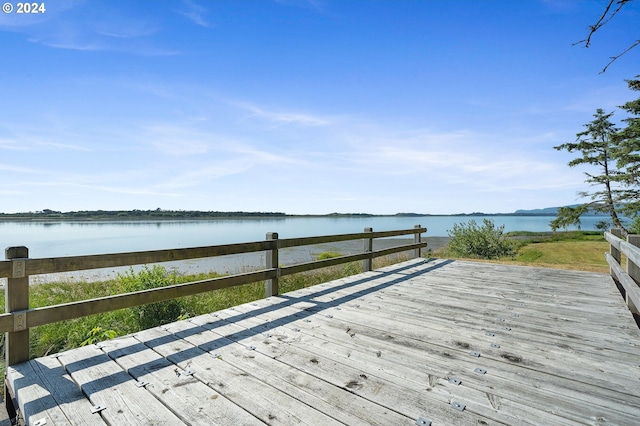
(437, 342)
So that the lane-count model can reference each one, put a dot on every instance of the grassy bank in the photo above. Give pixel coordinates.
(577, 250)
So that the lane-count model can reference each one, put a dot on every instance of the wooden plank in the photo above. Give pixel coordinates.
(409, 378)
(291, 296)
(106, 385)
(595, 328)
(308, 266)
(375, 385)
(6, 268)
(260, 399)
(547, 359)
(193, 401)
(632, 252)
(329, 338)
(464, 295)
(78, 263)
(50, 314)
(580, 294)
(378, 347)
(46, 393)
(613, 239)
(632, 291)
(522, 334)
(398, 249)
(339, 403)
(17, 301)
(462, 300)
(565, 324)
(304, 241)
(567, 319)
(35, 401)
(317, 264)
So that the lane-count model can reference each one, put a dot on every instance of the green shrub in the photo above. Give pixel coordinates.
(98, 334)
(484, 242)
(329, 255)
(153, 314)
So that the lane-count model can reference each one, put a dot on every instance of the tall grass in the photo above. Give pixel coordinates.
(57, 337)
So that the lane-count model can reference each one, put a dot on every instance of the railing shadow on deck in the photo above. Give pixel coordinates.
(626, 279)
(18, 267)
(221, 341)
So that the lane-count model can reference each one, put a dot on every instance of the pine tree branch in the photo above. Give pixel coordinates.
(607, 16)
(614, 58)
(601, 22)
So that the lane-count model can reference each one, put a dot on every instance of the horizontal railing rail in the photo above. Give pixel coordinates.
(18, 267)
(626, 279)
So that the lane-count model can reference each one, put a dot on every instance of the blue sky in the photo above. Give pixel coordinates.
(303, 106)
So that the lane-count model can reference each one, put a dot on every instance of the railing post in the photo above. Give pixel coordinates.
(417, 239)
(16, 296)
(368, 248)
(615, 253)
(271, 285)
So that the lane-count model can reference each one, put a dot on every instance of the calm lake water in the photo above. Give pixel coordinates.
(64, 238)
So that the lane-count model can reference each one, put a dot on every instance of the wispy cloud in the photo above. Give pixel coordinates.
(174, 140)
(223, 160)
(10, 144)
(112, 29)
(126, 30)
(101, 42)
(315, 5)
(63, 146)
(129, 190)
(462, 157)
(54, 10)
(283, 117)
(69, 45)
(17, 169)
(195, 13)
(607, 98)
(33, 138)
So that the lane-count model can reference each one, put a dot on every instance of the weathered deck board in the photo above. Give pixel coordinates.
(194, 401)
(386, 347)
(373, 347)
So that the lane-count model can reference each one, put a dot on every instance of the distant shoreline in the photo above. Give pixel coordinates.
(167, 215)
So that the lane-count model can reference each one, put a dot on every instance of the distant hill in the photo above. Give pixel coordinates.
(552, 211)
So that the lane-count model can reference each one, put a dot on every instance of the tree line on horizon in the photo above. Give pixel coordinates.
(134, 214)
(163, 214)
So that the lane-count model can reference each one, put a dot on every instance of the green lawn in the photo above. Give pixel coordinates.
(583, 251)
(577, 255)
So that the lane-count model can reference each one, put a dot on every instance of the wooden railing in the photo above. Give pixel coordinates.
(627, 278)
(17, 268)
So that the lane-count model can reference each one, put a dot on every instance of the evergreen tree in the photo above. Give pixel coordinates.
(568, 216)
(628, 151)
(597, 146)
